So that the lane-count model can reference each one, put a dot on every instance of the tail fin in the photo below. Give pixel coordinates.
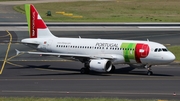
(37, 27)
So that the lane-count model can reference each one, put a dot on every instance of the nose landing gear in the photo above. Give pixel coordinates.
(149, 72)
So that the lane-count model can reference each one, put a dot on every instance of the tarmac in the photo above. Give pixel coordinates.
(32, 75)
(35, 76)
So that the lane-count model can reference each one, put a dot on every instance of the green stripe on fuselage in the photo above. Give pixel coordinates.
(128, 51)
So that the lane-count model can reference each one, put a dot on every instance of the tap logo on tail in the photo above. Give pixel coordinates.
(34, 20)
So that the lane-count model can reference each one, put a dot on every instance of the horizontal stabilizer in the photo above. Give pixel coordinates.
(19, 52)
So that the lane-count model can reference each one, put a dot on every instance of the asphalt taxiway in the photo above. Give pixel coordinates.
(31, 75)
(35, 76)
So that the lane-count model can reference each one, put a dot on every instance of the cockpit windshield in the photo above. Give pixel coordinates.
(160, 50)
(164, 49)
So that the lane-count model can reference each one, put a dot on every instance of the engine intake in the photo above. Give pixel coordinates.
(100, 65)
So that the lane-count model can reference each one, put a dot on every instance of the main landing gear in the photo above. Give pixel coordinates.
(85, 69)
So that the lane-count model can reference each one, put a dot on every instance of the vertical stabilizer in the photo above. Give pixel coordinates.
(37, 27)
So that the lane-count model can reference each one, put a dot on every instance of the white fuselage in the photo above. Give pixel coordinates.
(123, 51)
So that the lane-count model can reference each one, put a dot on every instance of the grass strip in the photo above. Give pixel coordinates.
(74, 99)
(19, 9)
(12, 0)
(111, 11)
(175, 50)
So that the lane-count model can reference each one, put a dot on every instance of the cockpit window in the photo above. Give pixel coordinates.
(164, 50)
(156, 50)
(160, 49)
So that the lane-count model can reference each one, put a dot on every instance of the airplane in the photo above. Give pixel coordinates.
(100, 55)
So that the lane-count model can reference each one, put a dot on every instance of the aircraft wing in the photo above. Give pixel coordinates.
(104, 56)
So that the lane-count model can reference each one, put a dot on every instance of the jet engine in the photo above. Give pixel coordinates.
(100, 65)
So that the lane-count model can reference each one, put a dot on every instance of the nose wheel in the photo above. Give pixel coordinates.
(149, 72)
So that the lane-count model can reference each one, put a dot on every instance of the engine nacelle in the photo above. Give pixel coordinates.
(100, 65)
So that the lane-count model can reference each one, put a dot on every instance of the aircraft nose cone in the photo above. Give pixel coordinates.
(171, 57)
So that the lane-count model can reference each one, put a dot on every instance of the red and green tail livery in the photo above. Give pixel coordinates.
(35, 22)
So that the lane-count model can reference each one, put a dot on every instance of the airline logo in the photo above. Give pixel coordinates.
(134, 51)
(36, 22)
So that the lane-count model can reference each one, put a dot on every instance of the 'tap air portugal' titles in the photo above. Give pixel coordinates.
(111, 45)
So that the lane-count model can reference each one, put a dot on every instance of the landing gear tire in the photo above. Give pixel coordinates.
(149, 73)
(84, 70)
